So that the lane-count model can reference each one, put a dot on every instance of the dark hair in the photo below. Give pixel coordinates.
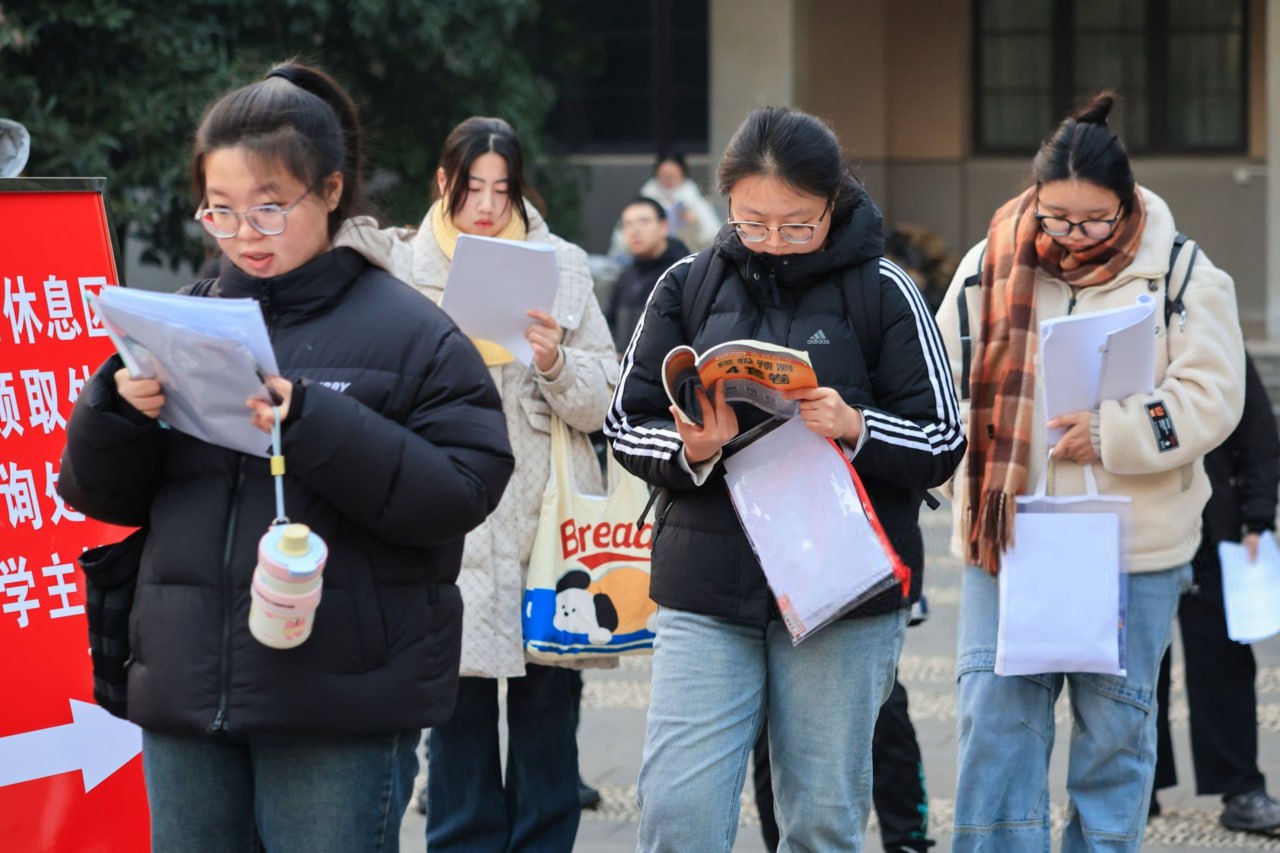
(794, 147)
(296, 116)
(671, 157)
(1084, 148)
(473, 138)
(645, 200)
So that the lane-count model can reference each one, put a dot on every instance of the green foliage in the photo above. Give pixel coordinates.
(116, 88)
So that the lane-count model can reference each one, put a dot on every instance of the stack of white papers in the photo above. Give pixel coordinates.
(209, 356)
(493, 282)
(1251, 590)
(1104, 355)
(802, 510)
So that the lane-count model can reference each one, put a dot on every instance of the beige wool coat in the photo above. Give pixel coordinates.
(495, 559)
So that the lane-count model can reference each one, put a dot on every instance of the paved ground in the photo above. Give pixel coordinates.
(613, 725)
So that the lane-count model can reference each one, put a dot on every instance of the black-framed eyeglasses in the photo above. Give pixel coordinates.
(796, 233)
(267, 219)
(1094, 229)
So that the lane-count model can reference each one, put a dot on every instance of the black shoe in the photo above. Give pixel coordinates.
(1254, 811)
(1153, 810)
(588, 797)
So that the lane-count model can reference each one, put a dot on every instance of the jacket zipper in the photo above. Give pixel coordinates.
(228, 601)
(1071, 303)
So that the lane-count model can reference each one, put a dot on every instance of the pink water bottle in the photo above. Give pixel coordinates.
(287, 583)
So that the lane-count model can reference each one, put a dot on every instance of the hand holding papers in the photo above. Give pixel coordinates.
(493, 282)
(1088, 358)
(209, 356)
(1251, 590)
(811, 525)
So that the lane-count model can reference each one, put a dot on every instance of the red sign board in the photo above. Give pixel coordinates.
(70, 774)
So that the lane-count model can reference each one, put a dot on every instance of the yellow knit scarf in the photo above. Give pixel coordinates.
(446, 233)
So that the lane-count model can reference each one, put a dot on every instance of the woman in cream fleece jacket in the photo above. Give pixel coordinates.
(1083, 238)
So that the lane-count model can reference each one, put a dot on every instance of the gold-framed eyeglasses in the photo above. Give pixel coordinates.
(796, 233)
(1094, 229)
(267, 219)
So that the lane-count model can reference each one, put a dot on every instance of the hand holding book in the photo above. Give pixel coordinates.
(720, 424)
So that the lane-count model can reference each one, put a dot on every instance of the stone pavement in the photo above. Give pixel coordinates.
(613, 723)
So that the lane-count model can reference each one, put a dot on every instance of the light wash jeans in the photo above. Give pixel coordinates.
(1006, 731)
(213, 794)
(712, 681)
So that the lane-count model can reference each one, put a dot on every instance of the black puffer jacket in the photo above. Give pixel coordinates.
(1245, 473)
(702, 561)
(398, 450)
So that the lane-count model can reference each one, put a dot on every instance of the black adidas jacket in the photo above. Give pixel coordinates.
(391, 471)
(702, 561)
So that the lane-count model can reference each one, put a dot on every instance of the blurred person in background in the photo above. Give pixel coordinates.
(652, 251)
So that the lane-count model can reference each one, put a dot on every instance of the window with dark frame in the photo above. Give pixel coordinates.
(1179, 67)
(643, 85)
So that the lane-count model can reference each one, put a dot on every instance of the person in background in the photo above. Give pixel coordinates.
(690, 217)
(481, 190)
(652, 251)
(312, 748)
(803, 233)
(1244, 473)
(1084, 237)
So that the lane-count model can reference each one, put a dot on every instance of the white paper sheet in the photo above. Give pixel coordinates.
(1104, 355)
(1251, 591)
(206, 368)
(493, 282)
(1060, 596)
(796, 500)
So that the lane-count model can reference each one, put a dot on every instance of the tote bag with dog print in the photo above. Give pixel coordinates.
(587, 593)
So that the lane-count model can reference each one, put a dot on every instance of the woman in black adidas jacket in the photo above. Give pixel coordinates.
(801, 266)
(395, 446)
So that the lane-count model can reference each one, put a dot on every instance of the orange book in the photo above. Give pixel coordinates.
(752, 372)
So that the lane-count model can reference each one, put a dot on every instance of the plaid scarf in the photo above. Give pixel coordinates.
(1002, 384)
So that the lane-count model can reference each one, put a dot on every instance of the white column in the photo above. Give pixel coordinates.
(1273, 169)
(753, 62)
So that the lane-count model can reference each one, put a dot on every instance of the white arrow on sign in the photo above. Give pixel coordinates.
(94, 742)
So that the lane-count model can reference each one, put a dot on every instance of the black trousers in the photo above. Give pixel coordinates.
(897, 788)
(1220, 692)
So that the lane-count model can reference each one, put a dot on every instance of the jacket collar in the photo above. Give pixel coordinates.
(306, 291)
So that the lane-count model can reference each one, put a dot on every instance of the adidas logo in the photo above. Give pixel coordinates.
(818, 337)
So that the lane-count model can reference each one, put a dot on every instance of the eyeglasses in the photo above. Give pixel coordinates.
(633, 224)
(1094, 229)
(795, 233)
(267, 219)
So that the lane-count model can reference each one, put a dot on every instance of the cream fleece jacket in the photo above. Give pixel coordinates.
(1199, 376)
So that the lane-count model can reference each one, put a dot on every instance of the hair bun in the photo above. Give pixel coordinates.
(1097, 109)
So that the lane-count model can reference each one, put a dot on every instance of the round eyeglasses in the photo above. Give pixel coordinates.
(1094, 229)
(796, 233)
(269, 220)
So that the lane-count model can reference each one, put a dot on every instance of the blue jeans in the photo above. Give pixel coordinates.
(536, 810)
(213, 794)
(1006, 731)
(712, 682)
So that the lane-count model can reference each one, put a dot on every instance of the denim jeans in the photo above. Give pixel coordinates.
(1006, 731)
(214, 794)
(470, 807)
(712, 682)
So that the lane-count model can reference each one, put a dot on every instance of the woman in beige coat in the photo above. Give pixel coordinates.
(481, 182)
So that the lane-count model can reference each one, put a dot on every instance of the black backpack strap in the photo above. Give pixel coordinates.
(1173, 303)
(700, 288)
(966, 337)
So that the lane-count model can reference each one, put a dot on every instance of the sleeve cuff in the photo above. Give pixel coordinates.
(702, 470)
(1095, 432)
(852, 450)
(554, 373)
